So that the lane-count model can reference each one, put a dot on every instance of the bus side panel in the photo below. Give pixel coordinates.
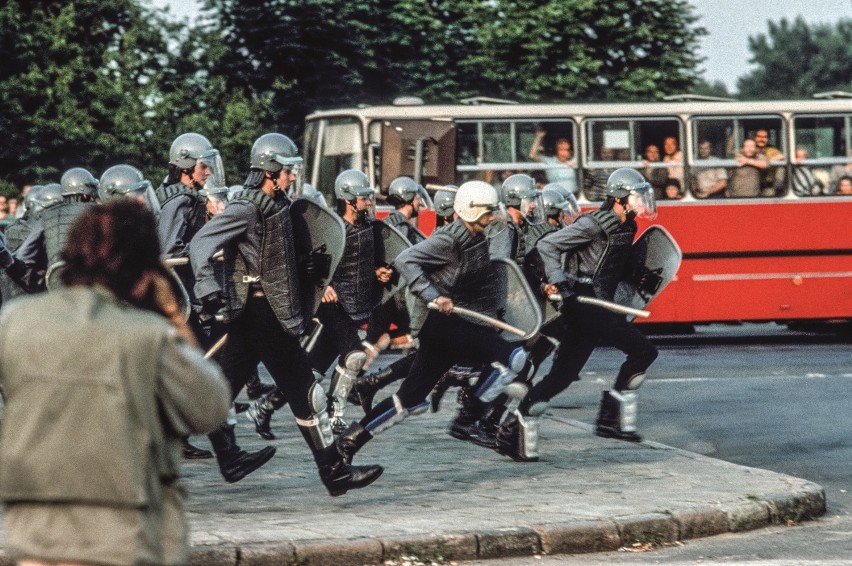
(779, 260)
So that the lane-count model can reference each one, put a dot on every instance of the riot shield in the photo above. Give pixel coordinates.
(391, 242)
(317, 231)
(519, 305)
(656, 258)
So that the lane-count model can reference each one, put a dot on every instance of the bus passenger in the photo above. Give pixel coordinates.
(745, 179)
(673, 190)
(708, 181)
(805, 183)
(595, 180)
(564, 167)
(773, 177)
(673, 154)
(655, 175)
(844, 186)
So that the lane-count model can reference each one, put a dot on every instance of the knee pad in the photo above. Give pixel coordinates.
(517, 359)
(318, 426)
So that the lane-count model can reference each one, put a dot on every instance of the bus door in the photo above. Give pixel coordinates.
(424, 150)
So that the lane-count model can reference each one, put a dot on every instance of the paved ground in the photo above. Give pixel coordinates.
(440, 499)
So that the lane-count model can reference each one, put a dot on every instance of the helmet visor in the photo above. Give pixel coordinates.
(498, 219)
(570, 210)
(213, 161)
(641, 201)
(532, 208)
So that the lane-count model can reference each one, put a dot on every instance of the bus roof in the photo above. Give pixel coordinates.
(565, 110)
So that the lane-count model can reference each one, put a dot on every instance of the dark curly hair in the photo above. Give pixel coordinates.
(112, 244)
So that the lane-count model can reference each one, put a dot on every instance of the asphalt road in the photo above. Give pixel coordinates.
(757, 395)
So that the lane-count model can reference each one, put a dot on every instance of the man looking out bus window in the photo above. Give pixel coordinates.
(745, 180)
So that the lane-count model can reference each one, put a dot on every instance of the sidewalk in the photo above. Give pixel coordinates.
(442, 499)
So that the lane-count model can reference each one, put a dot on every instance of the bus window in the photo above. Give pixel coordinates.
(491, 150)
(651, 145)
(331, 147)
(821, 154)
(750, 148)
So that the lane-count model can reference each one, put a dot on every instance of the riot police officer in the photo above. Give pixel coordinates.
(37, 258)
(355, 291)
(264, 317)
(192, 161)
(599, 245)
(450, 268)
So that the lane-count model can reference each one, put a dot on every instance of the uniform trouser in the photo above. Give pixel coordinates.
(444, 340)
(389, 312)
(585, 328)
(338, 337)
(258, 337)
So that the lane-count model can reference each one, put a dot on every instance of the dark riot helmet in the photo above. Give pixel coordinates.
(404, 188)
(79, 181)
(630, 184)
(273, 152)
(49, 195)
(444, 201)
(31, 195)
(352, 184)
(126, 181)
(190, 148)
(517, 187)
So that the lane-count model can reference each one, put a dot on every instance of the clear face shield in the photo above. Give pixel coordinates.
(295, 166)
(641, 201)
(496, 221)
(365, 205)
(570, 210)
(215, 199)
(212, 161)
(532, 209)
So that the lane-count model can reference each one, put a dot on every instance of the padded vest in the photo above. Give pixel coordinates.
(358, 290)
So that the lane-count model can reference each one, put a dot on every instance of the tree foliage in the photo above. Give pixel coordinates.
(796, 60)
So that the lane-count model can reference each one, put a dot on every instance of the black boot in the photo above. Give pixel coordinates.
(191, 452)
(466, 424)
(365, 388)
(235, 463)
(260, 413)
(609, 417)
(336, 474)
(255, 388)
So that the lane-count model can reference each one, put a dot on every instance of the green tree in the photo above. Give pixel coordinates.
(796, 60)
(589, 50)
(74, 82)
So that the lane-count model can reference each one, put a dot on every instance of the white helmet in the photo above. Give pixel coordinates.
(475, 198)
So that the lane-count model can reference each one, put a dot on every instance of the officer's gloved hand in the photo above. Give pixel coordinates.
(567, 294)
(6, 257)
(212, 303)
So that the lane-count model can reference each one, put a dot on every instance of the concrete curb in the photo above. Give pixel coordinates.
(569, 538)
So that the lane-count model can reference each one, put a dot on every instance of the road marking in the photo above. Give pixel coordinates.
(785, 376)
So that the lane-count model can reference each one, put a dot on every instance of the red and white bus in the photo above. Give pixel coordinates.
(780, 253)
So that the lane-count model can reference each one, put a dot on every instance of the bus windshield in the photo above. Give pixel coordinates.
(331, 146)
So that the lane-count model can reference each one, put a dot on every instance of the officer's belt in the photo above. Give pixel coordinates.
(584, 279)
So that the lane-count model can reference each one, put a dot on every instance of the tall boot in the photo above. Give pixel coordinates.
(365, 388)
(518, 437)
(235, 463)
(260, 412)
(617, 416)
(336, 473)
(255, 388)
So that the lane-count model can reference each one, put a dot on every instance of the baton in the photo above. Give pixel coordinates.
(436, 188)
(175, 261)
(484, 318)
(608, 305)
(216, 347)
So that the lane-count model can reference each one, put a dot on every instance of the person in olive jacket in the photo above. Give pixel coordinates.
(101, 379)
